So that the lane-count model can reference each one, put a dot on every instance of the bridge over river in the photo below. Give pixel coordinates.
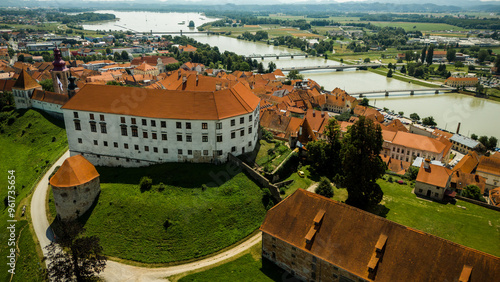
(333, 67)
(411, 91)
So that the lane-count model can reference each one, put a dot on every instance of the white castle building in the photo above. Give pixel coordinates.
(128, 126)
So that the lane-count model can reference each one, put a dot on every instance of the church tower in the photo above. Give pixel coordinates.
(60, 73)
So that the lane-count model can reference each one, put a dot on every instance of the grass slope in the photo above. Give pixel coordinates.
(181, 222)
(27, 148)
(475, 226)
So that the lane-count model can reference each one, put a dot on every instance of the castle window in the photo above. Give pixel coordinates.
(163, 124)
(124, 130)
(249, 143)
(95, 142)
(153, 122)
(218, 125)
(136, 147)
(233, 122)
(77, 125)
(103, 128)
(105, 143)
(179, 137)
(91, 116)
(165, 150)
(249, 129)
(93, 127)
(233, 135)
(233, 149)
(219, 138)
(205, 152)
(153, 135)
(75, 114)
(164, 136)
(188, 125)
(115, 144)
(133, 121)
(144, 135)
(242, 120)
(242, 132)
(122, 119)
(146, 148)
(135, 133)
(101, 117)
(125, 145)
(250, 118)
(188, 138)
(155, 149)
(179, 151)
(190, 152)
(178, 125)
(204, 138)
(144, 122)
(80, 140)
(219, 152)
(204, 125)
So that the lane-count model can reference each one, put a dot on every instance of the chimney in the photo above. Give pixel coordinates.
(196, 80)
(427, 163)
(314, 113)
(179, 74)
(217, 86)
(458, 128)
(322, 114)
(300, 130)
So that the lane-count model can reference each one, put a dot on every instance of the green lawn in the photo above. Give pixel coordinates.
(28, 145)
(470, 227)
(182, 222)
(248, 268)
(298, 181)
(409, 26)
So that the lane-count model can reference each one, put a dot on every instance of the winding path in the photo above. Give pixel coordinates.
(116, 271)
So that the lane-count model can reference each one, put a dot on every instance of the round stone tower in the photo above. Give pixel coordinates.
(75, 186)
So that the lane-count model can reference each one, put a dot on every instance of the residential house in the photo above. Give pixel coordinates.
(407, 146)
(433, 181)
(189, 66)
(494, 197)
(489, 168)
(318, 239)
(159, 62)
(464, 144)
(461, 81)
(144, 68)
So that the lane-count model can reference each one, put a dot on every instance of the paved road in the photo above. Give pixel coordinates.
(116, 271)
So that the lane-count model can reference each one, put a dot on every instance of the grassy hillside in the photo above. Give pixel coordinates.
(29, 142)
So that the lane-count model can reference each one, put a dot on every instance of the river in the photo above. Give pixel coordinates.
(476, 115)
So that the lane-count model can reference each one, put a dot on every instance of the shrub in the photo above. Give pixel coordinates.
(324, 188)
(161, 187)
(282, 190)
(390, 179)
(204, 187)
(146, 183)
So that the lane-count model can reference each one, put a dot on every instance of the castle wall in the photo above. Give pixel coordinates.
(72, 202)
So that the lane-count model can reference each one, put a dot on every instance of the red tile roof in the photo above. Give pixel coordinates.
(489, 165)
(347, 237)
(435, 175)
(74, 171)
(419, 142)
(25, 82)
(50, 97)
(173, 104)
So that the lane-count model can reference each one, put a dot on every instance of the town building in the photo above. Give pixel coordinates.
(407, 146)
(160, 62)
(318, 239)
(489, 168)
(461, 81)
(433, 181)
(464, 144)
(75, 186)
(127, 126)
(494, 197)
(145, 69)
(23, 90)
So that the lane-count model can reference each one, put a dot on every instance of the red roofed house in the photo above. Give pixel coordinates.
(75, 186)
(157, 61)
(406, 146)
(432, 181)
(494, 197)
(461, 81)
(23, 90)
(144, 68)
(489, 168)
(318, 239)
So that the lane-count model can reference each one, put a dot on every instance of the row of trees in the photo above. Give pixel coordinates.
(489, 143)
(352, 162)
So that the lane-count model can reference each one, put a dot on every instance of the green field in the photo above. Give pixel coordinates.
(298, 181)
(408, 26)
(475, 226)
(180, 222)
(247, 268)
(29, 145)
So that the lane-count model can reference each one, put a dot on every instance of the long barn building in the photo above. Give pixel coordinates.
(128, 126)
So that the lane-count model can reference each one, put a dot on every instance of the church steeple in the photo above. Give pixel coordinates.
(60, 73)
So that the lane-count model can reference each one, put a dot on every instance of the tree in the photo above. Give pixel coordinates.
(484, 140)
(451, 54)
(492, 143)
(294, 74)
(260, 68)
(473, 136)
(108, 51)
(362, 164)
(47, 85)
(479, 89)
(125, 55)
(191, 24)
(403, 69)
(145, 184)
(324, 155)
(366, 60)
(482, 55)
(429, 121)
(415, 116)
(364, 102)
(389, 73)
(117, 56)
(472, 192)
(389, 66)
(430, 55)
(412, 172)
(271, 66)
(74, 257)
(324, 188)
(459, 65)
(401, 113)
(20, 58)
(424, 52)
(408, 56)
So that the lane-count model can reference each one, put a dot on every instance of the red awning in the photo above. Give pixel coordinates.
(450, 193)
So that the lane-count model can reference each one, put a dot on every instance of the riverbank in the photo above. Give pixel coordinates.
(405, 78)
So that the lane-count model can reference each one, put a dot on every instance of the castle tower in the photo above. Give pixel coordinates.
(75, 186)
(23, 90)
(60, 73)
